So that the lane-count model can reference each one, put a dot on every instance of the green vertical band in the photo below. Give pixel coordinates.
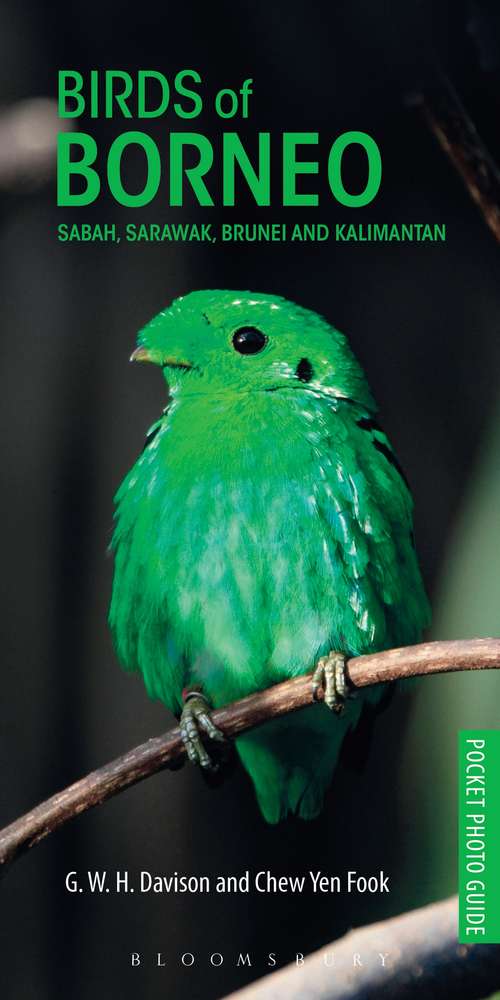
(479, 836)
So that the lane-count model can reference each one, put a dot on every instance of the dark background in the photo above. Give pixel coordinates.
(423, 319)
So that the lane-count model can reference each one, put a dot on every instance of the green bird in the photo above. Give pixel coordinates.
(266, 523)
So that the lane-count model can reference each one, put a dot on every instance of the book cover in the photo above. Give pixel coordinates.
(288, 218)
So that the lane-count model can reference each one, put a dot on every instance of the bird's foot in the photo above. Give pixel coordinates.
(329, 675)
(195, 719)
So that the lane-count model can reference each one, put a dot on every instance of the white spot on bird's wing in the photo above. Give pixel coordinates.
(355, 495)
(326, 554)
(354, 601)
(274, 306)
(363, 624)
(236, 302)
(345, 529)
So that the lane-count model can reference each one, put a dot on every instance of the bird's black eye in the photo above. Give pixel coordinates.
(249, 340)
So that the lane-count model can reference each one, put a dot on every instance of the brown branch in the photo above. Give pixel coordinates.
(422, 959)
(168, 751)
(456, 133)
(28, 143)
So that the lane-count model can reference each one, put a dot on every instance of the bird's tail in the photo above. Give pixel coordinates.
(291, 760)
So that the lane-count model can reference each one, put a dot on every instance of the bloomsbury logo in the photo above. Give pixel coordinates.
(214, 960)
(188, 163)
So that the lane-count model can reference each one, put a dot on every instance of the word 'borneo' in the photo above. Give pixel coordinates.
(195, 166)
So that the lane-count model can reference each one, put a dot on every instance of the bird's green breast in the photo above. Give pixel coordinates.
(256, 531)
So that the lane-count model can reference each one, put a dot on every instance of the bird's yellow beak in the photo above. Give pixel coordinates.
(143, 354)
(156, 358)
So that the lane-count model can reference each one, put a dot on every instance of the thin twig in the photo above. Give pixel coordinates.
(168, 751)
(415, 956)
(456, 133)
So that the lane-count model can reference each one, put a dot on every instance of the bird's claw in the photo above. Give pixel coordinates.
(195, 718)
(329, 675)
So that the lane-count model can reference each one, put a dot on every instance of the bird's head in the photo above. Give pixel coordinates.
(226, 341)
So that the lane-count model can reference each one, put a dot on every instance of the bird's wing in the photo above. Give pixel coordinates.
(370, 514)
